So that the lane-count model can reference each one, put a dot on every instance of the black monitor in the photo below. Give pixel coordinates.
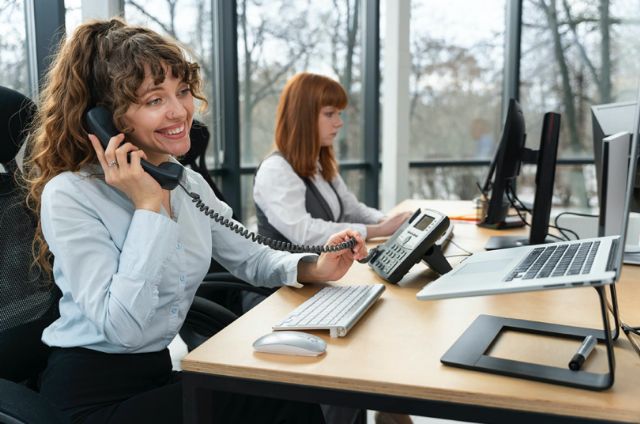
(509, 158)
(503, 171)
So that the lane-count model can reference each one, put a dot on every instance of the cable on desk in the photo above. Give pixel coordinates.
(586, 215)
(459, 247)
(627, 330)
(512, 197)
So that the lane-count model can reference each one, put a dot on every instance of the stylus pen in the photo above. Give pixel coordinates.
(583, 353)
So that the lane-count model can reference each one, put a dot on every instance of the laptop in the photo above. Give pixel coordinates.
(588, 262)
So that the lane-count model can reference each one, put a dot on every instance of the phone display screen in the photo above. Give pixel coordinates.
(424, 222)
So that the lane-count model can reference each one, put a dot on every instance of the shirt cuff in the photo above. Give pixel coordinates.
(291, 278)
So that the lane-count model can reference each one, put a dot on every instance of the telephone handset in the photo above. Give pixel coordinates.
(100, 123)
(169, 176)
(415, 240)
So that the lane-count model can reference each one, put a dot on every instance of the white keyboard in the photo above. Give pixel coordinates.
(335, 308)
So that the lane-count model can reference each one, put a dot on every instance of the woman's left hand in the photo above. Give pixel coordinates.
(332, 266)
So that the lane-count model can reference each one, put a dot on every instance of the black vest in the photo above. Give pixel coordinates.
(315, 204)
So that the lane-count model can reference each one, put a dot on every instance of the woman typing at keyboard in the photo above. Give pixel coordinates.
(298, 192)
(299, 195)
(128, 254)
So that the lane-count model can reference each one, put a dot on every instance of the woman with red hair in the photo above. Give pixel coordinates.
(299, 194)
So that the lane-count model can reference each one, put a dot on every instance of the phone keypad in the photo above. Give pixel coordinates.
(390, 258)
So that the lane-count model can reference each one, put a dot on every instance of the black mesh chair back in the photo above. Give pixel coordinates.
(196, 156)
(28, 299)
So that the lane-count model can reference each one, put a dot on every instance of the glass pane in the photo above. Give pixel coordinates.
(447, 183)
(354, 179)
(188, 21)
(576, 54)
(248, 214)
(569, 180)
(280, 38)
(72, 15)
(13, 46)
(456, 77)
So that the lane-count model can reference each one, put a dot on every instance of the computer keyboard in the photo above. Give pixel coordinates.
(335, 308)
(556, 261)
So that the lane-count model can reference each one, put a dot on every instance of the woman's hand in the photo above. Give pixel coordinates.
(388, 225)
(128, 176)
(332, 266)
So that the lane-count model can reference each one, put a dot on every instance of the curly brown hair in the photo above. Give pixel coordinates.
(102, 63)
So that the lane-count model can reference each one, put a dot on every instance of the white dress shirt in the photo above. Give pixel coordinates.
(280, 193)
(127, 276)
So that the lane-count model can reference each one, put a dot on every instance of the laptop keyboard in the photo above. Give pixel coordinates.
(556, 261)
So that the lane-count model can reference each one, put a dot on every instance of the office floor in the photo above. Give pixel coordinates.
(178, 350)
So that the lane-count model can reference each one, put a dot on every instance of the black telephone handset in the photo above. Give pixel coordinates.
(415, 240)
(169, 176)
(100, 122)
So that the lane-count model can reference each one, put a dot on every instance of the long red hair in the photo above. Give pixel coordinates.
(297, 135)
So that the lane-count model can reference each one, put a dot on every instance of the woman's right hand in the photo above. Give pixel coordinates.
(128, 176)
(388, 225)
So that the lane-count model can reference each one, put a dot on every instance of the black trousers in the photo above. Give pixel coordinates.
(95, 387)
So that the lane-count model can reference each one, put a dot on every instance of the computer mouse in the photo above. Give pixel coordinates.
(290, 343)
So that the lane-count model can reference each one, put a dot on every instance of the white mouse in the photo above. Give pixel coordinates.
(290, 343)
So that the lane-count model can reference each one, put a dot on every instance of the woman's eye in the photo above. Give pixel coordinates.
(185, 91)
(155, 101)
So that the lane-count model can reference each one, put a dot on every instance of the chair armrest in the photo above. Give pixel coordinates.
(204, 319)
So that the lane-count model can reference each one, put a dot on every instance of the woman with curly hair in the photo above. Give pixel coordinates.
(129, 255)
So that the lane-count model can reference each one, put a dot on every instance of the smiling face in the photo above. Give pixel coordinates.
(161, 119)
(329, 123)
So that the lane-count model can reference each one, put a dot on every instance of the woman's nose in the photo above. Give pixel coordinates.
(176, 110)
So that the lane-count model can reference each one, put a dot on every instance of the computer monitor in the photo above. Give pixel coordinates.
(608, 119)
(503, 171)
(507, 163)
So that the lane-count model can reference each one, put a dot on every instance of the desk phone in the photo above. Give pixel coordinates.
(415, 240)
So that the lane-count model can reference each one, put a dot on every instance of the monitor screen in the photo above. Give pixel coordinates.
(506, 166)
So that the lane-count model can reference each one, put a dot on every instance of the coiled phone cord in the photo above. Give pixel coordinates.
(274, 244)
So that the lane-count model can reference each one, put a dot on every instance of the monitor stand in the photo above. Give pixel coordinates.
(509, 222)
(505, 242)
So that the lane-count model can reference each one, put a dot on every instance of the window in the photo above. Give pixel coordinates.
(455, 91)
(13, 46)
(575, 54)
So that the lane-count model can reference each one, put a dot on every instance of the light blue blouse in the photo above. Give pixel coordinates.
(129, 276)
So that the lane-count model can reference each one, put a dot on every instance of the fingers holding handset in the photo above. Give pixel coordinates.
(358, 251)
(123, 170)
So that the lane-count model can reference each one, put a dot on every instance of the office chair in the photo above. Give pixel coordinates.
(218, 301)
(28, 299)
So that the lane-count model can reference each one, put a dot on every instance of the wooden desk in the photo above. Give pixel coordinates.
(391, 359)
